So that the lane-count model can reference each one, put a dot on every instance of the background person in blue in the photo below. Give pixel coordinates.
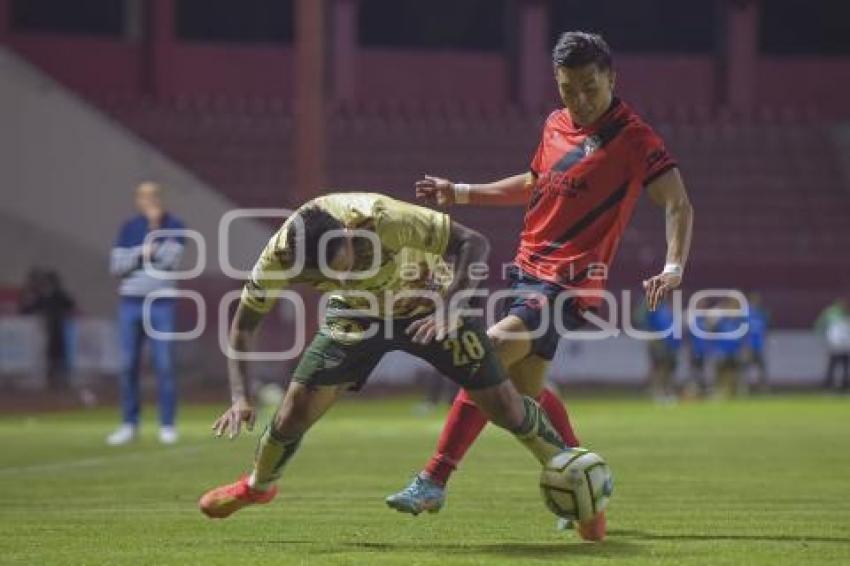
(698, 350)
(663, 352)
(756, 335)
(127, 263)
(728, 350)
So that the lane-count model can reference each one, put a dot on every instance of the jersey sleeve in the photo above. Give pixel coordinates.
(266, 276)
(404, 225)
(536, 165)
(652, 156)
(537, 160)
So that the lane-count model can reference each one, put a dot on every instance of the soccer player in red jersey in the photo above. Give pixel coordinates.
(595, 158)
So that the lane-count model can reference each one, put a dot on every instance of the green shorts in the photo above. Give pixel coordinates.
(341, 353)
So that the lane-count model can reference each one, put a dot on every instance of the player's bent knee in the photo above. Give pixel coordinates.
(510, 352)
(497, 340)
(510, 340)
(527, 387)
(529, 375)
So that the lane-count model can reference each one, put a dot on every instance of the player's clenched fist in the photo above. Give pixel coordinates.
(435, 190)
(231, 421)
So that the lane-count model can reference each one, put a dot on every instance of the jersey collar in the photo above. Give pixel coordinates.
(617, 107)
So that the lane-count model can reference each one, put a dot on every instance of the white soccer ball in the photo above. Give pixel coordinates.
(576, 484)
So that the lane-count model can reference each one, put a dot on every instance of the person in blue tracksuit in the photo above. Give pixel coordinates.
(663, 352)
(759, 321)
(729, 350)
(132, 250)
(698, 350)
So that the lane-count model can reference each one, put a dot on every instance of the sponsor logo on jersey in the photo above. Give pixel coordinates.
(591, 144)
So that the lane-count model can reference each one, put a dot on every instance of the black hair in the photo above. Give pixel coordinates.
(316, 222)
(580, 48)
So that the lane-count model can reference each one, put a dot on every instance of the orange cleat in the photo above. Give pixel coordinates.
(223, 501)
(593, 529)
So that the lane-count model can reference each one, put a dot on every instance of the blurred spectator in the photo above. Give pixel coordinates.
(696, 384)
(834, 325)
(729, 349)
(31, 291)
(43, 295)
(663, 352)
(131, 251)
(759, 321)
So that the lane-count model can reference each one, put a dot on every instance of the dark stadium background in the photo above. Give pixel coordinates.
(240, 108)
(265, 103)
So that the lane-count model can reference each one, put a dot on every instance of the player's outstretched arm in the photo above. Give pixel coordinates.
(668, 191)
(242, 331)
(510, 191)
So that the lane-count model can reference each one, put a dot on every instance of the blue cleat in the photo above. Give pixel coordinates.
(421, 495)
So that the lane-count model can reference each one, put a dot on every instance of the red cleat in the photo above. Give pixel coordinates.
(593, 529)
(223, 501)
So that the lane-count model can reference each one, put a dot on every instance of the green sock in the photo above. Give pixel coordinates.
(272, 454)
(537, 434)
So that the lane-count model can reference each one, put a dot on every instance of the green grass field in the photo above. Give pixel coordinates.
(764, 481)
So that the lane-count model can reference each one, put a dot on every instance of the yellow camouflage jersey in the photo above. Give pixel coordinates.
(412, 240)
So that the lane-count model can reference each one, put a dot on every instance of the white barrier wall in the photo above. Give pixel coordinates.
(793, 357)
(22, 343)
(67, 174)
(93, 346)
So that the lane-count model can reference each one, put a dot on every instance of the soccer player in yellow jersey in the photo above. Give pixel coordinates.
(380, 262)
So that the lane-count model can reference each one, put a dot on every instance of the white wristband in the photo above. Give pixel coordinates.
(673, 269)
(461, 191)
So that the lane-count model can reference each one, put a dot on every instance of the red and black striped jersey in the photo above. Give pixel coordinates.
(587, 182)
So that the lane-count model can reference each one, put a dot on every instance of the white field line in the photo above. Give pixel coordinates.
(97, 461)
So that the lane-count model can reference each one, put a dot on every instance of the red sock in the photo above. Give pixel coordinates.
(464, 423)
(557, 413)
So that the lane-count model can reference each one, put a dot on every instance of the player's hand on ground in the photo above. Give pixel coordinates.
(432, 327)
(657, 287)
(241, 412)
(435, 190)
